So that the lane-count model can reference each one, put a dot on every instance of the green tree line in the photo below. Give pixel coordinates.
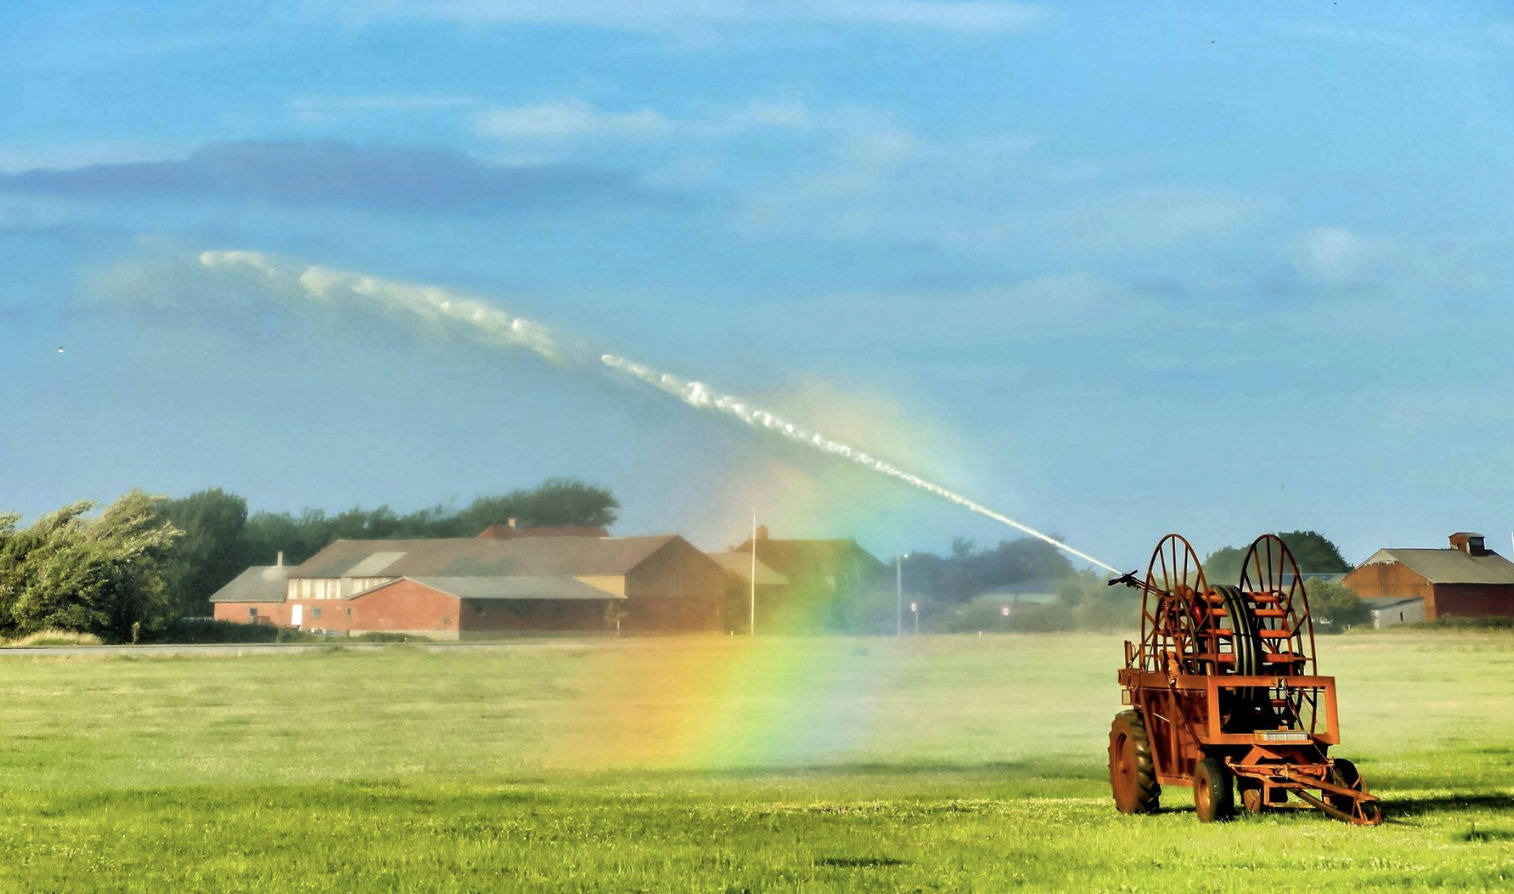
(951, 584)
(143, 561)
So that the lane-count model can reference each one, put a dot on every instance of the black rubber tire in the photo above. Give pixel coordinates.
(1343, 772)
(1132, 771)
(1213, 791)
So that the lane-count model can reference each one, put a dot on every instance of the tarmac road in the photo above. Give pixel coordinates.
(275, 648)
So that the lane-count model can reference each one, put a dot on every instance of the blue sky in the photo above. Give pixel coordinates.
(1111, 270)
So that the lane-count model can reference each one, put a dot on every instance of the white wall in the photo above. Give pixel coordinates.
(1402, 613)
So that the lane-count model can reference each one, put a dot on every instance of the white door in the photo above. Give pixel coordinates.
(295, 615)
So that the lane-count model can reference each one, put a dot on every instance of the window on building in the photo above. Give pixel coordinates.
(349, 611)
(315, 611)
(252, 613)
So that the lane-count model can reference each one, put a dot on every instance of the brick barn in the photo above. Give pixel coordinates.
(256, 596)
(821, 577)
(826, 566)
(1465, 580)
(769, 591)
(488, 586)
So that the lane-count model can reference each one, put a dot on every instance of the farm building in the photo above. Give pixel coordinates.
(832, 566)
(1465, 580)
(488, 586)
(1018, 597)
(822, 576)
(1394, 612)
(510, 530)
(769, 592)
(256, 596)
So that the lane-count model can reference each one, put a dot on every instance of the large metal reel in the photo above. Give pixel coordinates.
(1172, 608)
(1271, 579)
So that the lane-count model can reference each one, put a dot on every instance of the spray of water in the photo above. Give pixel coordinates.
(489, 324)
(700, 395)
(479, 319)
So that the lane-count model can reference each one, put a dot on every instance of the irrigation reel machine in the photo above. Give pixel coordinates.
(1224, 697)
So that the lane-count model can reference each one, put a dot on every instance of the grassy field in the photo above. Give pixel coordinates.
(938, 764)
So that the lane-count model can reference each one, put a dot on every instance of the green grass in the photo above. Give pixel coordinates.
(944, 764)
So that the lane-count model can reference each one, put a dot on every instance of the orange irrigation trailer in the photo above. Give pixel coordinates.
(1224, 697)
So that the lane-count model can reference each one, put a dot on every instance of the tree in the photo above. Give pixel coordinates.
(1223, 566)
(1314, 552)
(98, 576)
(1022, 559)
(558, 501)
(1335, 607)
(211, 551)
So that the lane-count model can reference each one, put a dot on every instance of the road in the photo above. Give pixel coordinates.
(150, 651)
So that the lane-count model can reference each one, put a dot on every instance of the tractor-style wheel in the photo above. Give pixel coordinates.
(1172, 608)
(1343, 772)
(1269, 572)
(1213, 791)
(1132, 772)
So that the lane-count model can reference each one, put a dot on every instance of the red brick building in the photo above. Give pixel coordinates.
(486, 586)
(820, 578)
(1465, 580)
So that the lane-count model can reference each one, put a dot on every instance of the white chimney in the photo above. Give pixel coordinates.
(280, 562)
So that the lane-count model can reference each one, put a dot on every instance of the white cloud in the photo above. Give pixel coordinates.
(14, 158)
(1152, 218)
(324, 108)
(566, 119)
(570, 118)
(761, 115)
(963, 16)
(1336, 254)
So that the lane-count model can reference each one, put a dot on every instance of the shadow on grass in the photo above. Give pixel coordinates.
(1478, 836)
(1408, 805)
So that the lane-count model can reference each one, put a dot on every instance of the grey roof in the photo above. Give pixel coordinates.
(476, 557)
(740, 564)
(1449, 566)
(373, 565)
(824, 557)
(260, 583)
(508, 588)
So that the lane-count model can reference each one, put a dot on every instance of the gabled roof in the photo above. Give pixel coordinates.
(826, 557)
(1448, 566)
(510, 532)
(260, 583)
(740, 564)
(475, 557)
(506, 588)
